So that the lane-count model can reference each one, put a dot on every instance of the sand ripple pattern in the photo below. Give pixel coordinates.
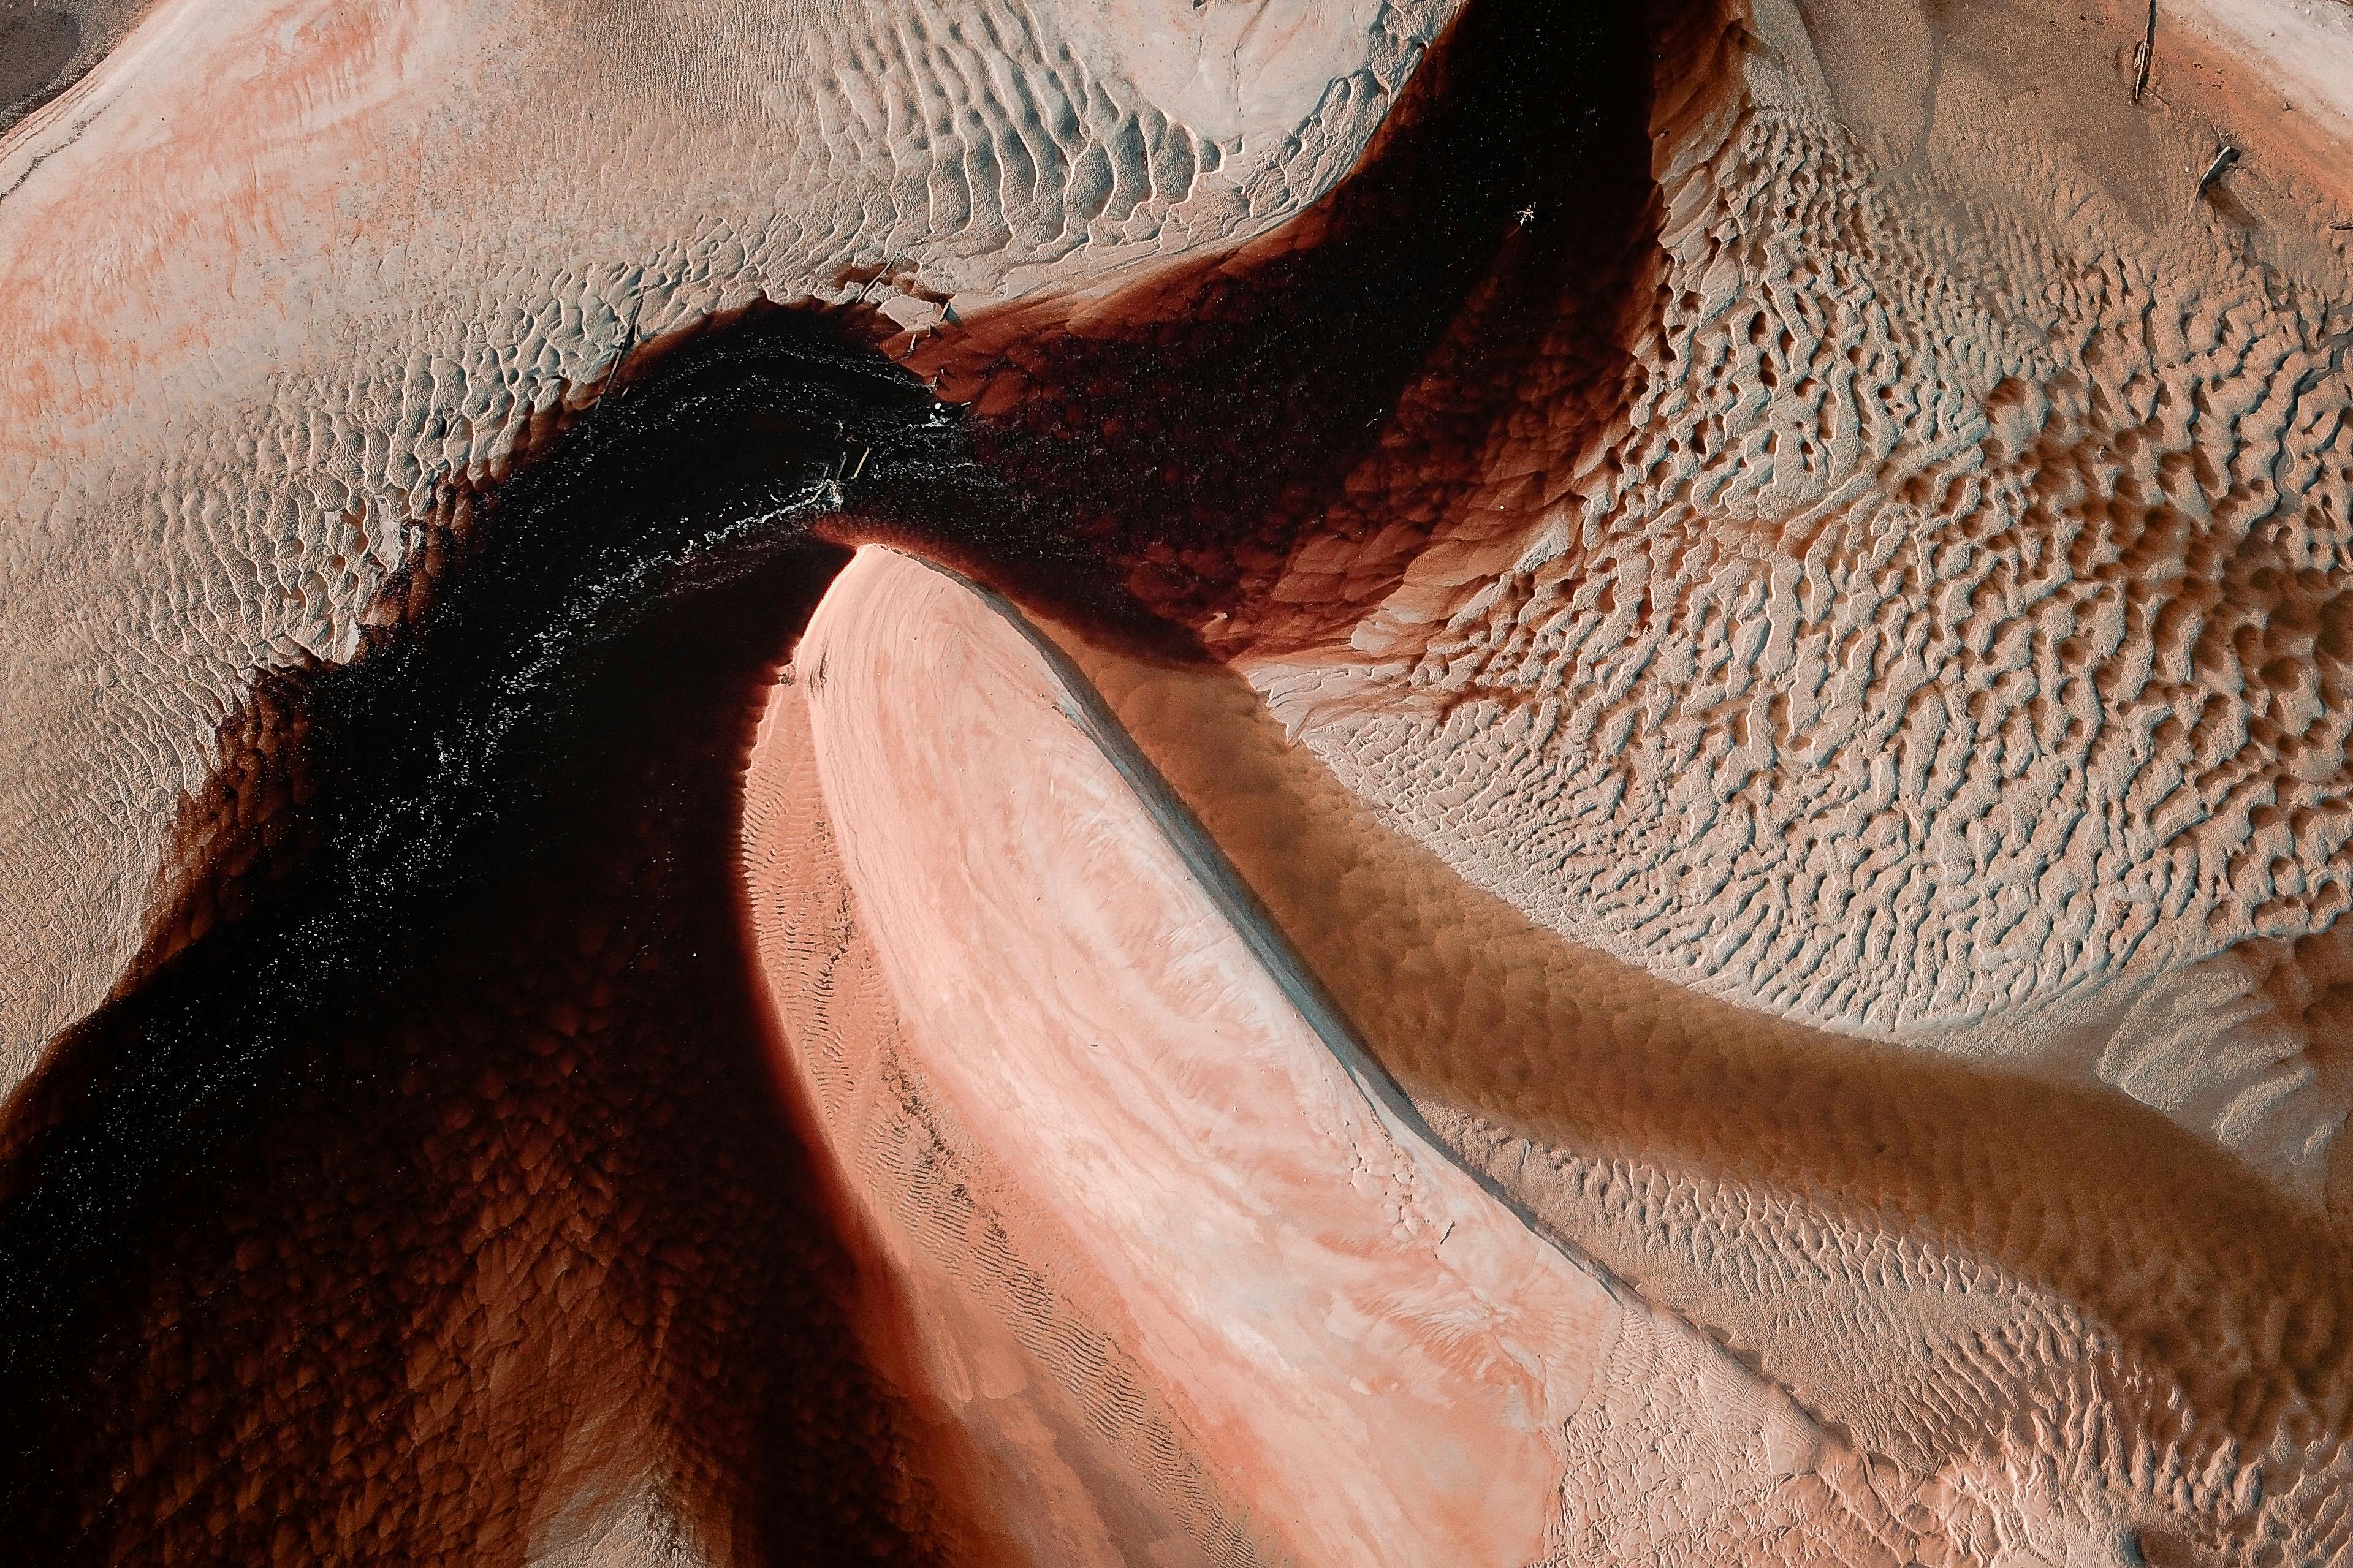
(1961, 613)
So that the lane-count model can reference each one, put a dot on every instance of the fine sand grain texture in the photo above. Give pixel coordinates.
(2076, 1320)
(47, 45)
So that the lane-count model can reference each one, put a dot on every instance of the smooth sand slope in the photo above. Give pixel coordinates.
(1806, 724)
(1099, 1140)
(1133, 1192)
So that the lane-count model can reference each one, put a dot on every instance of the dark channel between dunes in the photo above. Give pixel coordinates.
(435, 1160)
(344, 1232)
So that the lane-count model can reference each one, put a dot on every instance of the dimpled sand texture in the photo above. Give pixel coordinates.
(1668, 890)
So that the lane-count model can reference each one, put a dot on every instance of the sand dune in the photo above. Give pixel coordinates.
(1582, 797)
(1099, 1138)
(285, 280)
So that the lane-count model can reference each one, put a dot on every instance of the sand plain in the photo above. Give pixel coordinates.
(1825, 781)
(1098, 1134)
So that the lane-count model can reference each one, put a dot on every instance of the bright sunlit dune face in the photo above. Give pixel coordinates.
(1097, 1146)
(1179, 781)
(1257, 70)
(1102, 1142)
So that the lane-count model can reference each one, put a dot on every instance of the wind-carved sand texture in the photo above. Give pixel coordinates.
(1947, 643)
(2080, 1323)
(1629, 842)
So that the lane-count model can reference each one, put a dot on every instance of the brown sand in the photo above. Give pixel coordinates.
(1821, 739)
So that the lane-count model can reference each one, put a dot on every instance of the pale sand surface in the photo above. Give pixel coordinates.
(1948, 651)
(1948, 646)
(1102, 1142)
(1919, 738)
(1946, 1263)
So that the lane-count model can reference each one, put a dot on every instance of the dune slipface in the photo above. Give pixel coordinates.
(1122, 1125)
(1177, 782)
